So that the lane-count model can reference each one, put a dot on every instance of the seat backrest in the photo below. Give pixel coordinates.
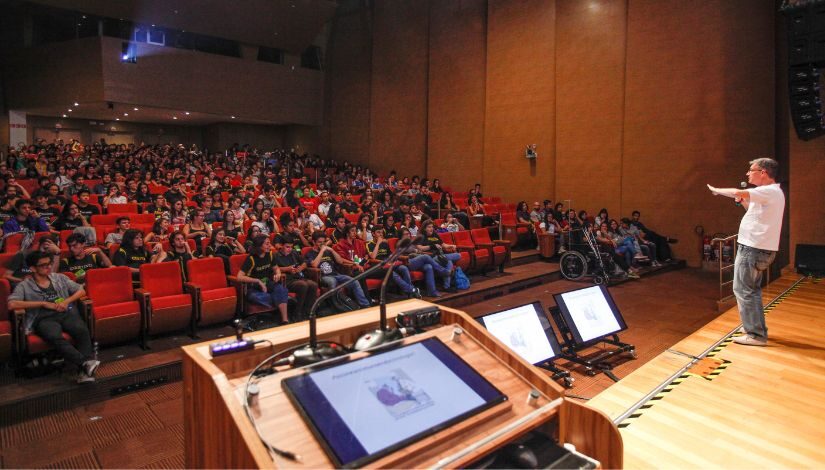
(64, 234)
(161, 279)
(446, 237)
(142, 218)
(481, 235)
(127, 208)
(462, 237)
(392, 242)
(109, 285)
(12, 242)
(508, 217)
(278, 211)
(235, 263)
(207, 273)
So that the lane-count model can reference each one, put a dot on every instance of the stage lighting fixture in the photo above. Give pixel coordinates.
(64, 115)
(125, 114)
(174, 117)
(233, 117)
(77, 104)
(135, 109)
(128, 52)
(187, 113)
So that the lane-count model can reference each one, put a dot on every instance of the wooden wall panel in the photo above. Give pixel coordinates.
(457, 64)
(807, 194)
(398, 106)
(520, 101)
(347, 107)
(590, 68)
(699, 105)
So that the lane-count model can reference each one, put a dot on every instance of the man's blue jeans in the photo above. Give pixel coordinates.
(429, 267)
(331, 280)
(747, 287)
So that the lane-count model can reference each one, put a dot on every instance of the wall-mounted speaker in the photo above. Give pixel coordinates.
(810, 259)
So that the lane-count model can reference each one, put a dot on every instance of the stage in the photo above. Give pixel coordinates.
(744, 406)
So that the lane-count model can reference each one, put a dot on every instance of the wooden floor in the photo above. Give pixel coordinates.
(761, 408)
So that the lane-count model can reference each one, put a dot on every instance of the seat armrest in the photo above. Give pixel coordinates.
(18, 319)
(502, 242)
(485, 245)
(191, 289)
(313, 274)
(86, 312)
(144, 300)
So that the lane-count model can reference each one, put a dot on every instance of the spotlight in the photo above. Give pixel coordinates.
(128, 52)
(125, 114)
(233, 117)
(64, 115)
(77, 104)
(117, 119)
(135, 109)
(70, 110)
(187, 113)
(174, 117)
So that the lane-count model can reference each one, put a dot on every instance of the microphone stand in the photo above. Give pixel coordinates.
(312, 353)
(383, 334)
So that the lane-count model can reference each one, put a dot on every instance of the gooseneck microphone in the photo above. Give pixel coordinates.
(383, 334)
(313, 353)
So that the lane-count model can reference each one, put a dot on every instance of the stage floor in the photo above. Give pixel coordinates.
(746, 406)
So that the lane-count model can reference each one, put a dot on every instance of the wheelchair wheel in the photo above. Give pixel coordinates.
(573, 265)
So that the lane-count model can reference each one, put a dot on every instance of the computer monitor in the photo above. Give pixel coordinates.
(526, 330)
(590, 313)
(366, 408)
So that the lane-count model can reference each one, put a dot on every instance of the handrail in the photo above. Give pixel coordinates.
(724, 267)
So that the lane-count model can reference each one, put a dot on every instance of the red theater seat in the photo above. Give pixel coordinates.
(214, 299)
(114, 314)
(162, 296)
(499, 249)
(480, 256)
(7, 336)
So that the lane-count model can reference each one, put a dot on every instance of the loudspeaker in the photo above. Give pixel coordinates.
(805, 103)
(810, 259)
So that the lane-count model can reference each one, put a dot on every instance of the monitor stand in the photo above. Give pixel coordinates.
(559, 375)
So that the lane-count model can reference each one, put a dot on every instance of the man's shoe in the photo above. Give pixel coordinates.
(90, 367)
(741, 330)
(83, 378)
(750, 340)
(415, 294)
(632, 275)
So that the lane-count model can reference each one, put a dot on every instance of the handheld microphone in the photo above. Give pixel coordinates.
(383, 334)
(742, 185)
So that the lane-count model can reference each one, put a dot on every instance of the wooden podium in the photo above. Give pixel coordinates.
(218, 433)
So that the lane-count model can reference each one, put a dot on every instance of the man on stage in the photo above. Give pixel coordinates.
(758, 243)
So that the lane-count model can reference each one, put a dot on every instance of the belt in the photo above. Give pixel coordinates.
(755, 249)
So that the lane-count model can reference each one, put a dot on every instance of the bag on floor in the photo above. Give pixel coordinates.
(461, 281)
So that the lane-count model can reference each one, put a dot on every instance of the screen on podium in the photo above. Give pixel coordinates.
(363, 409)
(526, 330)
(590, 313)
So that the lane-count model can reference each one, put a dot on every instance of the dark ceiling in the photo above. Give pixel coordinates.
(290, 25)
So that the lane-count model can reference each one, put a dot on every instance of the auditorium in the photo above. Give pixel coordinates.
(486, 234)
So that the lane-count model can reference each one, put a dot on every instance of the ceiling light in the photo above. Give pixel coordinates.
(233, 117)
(117, 119)
(64, 115)
(174, 117)
(70, 110)
(77, 104)
(125, 114)
(187, 113)
(135, 109)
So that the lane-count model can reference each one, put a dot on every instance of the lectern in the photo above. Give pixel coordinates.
(218, 433)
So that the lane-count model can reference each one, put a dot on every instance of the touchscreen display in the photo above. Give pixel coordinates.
(366, 408)
(590, 313)
(526, 330)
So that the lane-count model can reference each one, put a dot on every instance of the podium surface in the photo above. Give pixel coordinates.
(219, 434)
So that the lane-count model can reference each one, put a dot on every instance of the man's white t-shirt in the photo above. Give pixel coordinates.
(762, 223)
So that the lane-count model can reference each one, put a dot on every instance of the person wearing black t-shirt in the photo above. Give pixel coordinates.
(132, 253)
(179, 251)
(264, 276)
(87, 209)
(339, 234)
(379, 249)
(293, 266)
(44, 210)
(70, 218)
(323, 258)
(390, 230)
(223, 247)
(434, 246)
(81, 259)
(291, 235)
(158, 208)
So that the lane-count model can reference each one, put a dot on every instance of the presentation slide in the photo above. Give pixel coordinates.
(395, 395)
(590, 312)
(521, 330)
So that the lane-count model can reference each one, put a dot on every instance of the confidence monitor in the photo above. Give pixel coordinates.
(363, 409)
(526, 330)
(590, 314)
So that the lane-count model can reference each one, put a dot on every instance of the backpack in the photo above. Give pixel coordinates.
(461, 281)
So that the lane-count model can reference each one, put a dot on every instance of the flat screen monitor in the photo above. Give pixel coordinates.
(526, 330)
(363, 409)
(590, 313)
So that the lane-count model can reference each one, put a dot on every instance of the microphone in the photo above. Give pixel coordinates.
(313, 353)
(383, 334)
(742, 185)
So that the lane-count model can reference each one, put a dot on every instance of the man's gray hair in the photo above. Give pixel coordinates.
(770, 166)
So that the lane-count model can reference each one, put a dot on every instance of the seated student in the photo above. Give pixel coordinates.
(123, 225)
(619, 254)
(264, 277)
(646, 246)
(159, 232)
(49, 301)
(132, 253)
(86, 208)
(43, 209)
(18, 268)
(451, 224)
(379, 249)
(417, 261)
(390, 230)
(159, 207)
(180, 251)
(222, 245)
(70, 218)
(24, 220)
(338, 234)
(54, 196)
(662, 248)
(292, 234)
(82, 258)
(293, 266)
(197, 229)
(323, 257)
(434, 246)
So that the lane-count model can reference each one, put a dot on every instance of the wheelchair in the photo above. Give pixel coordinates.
(584, 258)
